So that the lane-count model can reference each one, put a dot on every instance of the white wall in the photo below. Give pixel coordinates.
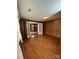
(19, 52)
(40, 28)
(28, 29)
(19, 38)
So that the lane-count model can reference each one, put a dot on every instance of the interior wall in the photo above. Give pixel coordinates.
(19, 38)
(40, 28)
(22, 23)
(28, 29)
(53, 27)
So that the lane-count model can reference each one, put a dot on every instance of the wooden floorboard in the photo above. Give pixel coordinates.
(41, 47)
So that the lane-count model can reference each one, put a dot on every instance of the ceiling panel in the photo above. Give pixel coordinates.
(39, 8)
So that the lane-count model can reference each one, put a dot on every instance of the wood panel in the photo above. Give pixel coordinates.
(23, 29)
(53, 27)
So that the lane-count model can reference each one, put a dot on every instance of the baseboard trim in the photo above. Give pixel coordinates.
(53, 36)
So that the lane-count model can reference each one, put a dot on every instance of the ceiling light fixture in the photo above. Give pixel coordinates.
(45, 17)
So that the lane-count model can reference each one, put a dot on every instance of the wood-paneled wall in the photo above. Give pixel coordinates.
(53, 27)
(23, 29)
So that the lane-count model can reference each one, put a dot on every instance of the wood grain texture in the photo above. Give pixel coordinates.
(41, 47)
(23, 29)
(53, 27)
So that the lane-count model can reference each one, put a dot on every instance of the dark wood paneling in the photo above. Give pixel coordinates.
(23, 29)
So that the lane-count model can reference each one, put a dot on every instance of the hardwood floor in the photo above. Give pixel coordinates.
(41, 47)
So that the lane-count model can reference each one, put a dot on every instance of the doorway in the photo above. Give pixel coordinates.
(33, 29)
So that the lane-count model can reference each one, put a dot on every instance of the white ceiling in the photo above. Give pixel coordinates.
(39, 8)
